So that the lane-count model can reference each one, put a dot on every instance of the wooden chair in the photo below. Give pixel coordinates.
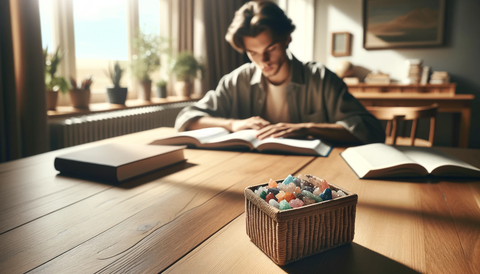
(396, 114)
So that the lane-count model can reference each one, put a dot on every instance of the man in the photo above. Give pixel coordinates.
(276, 94)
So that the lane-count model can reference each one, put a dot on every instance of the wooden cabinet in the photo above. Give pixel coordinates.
(444, 89)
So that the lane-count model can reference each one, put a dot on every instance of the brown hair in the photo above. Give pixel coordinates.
(253, 18)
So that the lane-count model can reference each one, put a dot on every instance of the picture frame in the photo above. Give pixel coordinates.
(341, 44)
(403, 24)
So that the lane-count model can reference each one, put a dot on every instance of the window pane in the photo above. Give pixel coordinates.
(148, 16)
(46, 23)
(100, 38)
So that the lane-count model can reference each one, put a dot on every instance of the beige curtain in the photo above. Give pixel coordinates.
(185, 26)
(221, 58)
(23, 118)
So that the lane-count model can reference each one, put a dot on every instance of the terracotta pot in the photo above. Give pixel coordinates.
(80, 98)
(52, 98)
(145, 90)
(183, 89)
(117, 95)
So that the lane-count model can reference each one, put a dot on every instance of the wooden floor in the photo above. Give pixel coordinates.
(190, 218)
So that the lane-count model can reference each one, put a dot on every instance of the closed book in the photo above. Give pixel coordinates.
(118, 162)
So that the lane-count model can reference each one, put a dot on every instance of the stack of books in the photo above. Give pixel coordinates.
(439, 77)
(377, 78)
(414, 71)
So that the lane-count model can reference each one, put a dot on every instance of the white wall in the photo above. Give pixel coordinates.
(460, 56)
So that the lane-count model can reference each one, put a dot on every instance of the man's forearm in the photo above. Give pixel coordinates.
(207, 121)
(330, 132)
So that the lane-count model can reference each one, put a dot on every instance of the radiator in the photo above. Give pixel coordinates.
(88, 128)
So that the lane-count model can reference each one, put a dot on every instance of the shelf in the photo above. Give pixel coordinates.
(69, 111)
(361, 88)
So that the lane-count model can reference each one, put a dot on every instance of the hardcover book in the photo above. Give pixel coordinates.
(118, 162)
(381, 161)
(220, 138)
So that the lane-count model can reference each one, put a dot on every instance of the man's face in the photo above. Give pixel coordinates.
(267, 54)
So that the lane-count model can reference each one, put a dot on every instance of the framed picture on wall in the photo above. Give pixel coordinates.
(341, 44)
(403, 24)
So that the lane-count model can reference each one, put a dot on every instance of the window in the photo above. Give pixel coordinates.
(100, 36)
(100, 39)
(46, 24)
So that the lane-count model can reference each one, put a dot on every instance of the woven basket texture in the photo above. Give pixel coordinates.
(290, 235)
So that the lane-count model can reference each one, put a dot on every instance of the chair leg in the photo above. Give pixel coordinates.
(432, 131)
(388, 129)
(394, 131)
(413, 132)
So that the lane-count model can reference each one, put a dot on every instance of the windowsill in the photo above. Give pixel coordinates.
(69, 111)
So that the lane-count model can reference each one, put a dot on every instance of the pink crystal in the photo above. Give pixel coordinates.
(295, 203)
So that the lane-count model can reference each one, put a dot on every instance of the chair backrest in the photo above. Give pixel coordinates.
(395, 114)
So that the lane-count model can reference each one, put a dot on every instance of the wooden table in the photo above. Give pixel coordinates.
(458, 104)
(190, 218)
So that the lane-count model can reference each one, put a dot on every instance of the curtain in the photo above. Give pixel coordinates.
(221, 58)
(23, 114)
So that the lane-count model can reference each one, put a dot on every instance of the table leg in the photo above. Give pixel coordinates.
(464, 127)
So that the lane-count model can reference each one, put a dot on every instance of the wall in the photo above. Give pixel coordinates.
(460, 56)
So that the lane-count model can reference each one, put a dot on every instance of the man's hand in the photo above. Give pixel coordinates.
(283, 130)
(255, 122)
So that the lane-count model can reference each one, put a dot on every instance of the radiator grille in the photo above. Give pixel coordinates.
(88, 128)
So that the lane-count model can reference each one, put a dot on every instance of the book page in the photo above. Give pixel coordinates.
(309, 147)
(381, 160)
(378, 156)
(204, 135)
(431, 158)
(247, 135)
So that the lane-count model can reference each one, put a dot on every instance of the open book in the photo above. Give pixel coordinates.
(220, 138)
(380, 160)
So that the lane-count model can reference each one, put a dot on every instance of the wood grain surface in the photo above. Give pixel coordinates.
(426, 226)
(189, 217)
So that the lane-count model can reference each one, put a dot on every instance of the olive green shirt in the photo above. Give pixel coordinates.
(314, 94)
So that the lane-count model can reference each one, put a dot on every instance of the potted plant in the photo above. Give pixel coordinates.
(116, 94)
(161, 90)
(80, 94)
(186, 68)
(149, 48)
(53, 83)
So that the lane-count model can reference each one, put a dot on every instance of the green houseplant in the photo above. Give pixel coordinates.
(186, 68)
(53, 82)
(80, 94)
(161, 89)
(149, 48)
(116, 94)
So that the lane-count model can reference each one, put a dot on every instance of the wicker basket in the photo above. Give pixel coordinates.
(290, 235)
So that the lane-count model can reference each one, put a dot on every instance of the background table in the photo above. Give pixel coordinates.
(190, 218)
(458, 104)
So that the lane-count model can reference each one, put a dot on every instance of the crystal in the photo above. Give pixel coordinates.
(280, 196)
(295, 203)
(274, 203)
(288, 180)
(284, 205)
(273, 190)
(308, 201)
(326, 194)
(272, 183)
(263, 195)
(289, 196)
(311, 196)
(269, 197)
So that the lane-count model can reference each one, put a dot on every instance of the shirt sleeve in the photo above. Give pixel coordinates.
(215, 103)
(346, 110)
